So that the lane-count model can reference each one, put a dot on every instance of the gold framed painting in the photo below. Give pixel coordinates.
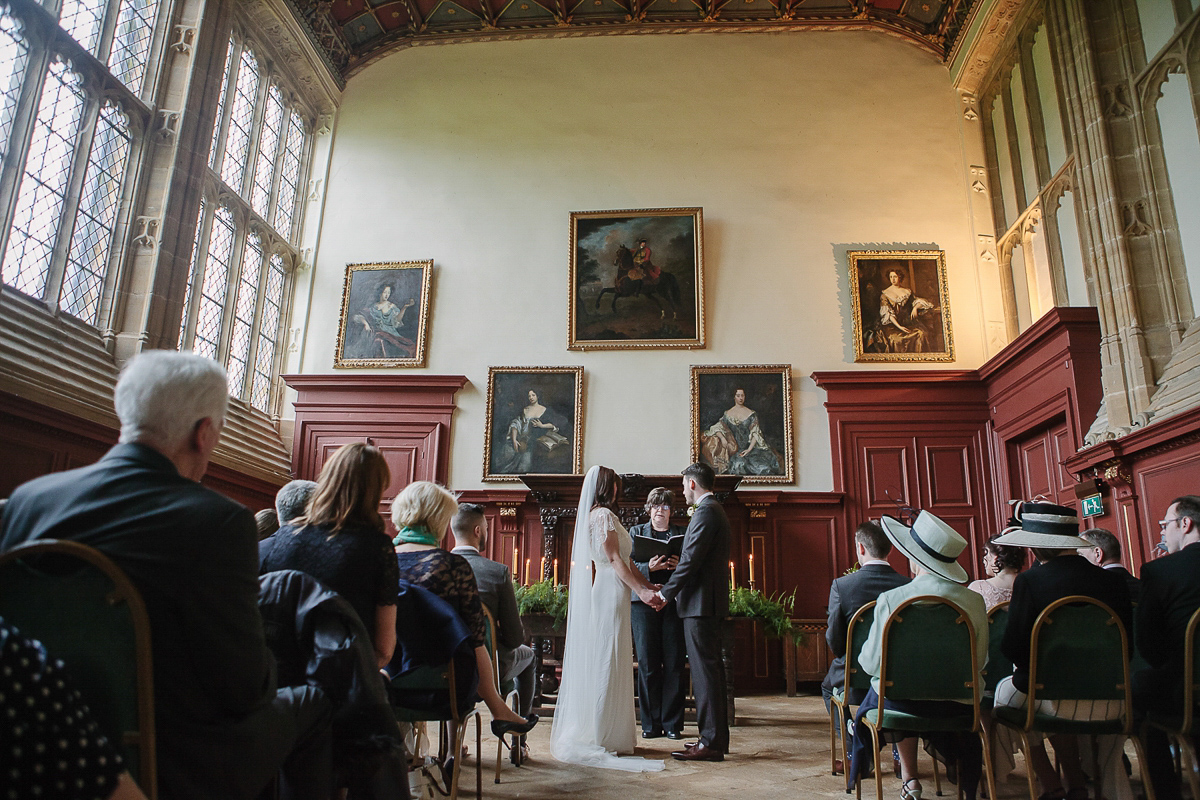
(385, 314)
(636, 279)
(742, 421)
(534, 422)
(901, 305)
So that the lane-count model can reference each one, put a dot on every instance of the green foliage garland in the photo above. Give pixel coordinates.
(543, 597)
(775, 612)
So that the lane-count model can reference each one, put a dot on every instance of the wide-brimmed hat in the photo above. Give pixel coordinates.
(931, 543)
(1045, 525)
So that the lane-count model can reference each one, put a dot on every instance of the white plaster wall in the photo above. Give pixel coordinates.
(798, 147)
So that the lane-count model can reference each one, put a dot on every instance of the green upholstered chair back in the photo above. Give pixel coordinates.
(857, 631)
(1078, 649)
(999, 666)
(928, 652)
(439, 679)
(85, 611)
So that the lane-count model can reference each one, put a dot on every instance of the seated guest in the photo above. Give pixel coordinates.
(658, 635)
(57, 749)
(223, 728)
(932, 548)
(1170, 595)
(1105, 551)
(341, 542)
(1002, 563)
(292, 499)
(849, 593)
(1052, 532)
(495, 586)
(421, 513)
(265, 523)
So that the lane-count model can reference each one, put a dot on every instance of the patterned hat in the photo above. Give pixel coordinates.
(1040, 524)
(931, 543)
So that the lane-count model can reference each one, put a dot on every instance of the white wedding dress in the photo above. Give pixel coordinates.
(593, 717)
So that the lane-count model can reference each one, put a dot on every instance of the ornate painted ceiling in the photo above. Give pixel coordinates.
(352, 33)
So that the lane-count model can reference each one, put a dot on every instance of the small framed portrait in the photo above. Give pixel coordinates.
(534, 422)
(901, 306)
(637, 279)
(385, 311)
(742, 421)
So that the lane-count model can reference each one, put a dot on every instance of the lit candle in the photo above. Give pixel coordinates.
(516, 563)
(732, 579)
(752, 570)
(527, 571)
(542, 574)
(556, 572)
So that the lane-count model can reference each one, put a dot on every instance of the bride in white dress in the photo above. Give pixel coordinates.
(593, 717)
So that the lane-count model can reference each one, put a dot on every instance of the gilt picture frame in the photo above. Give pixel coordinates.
(742, 421)
(901, 306)
(636, 279)
(534, 422)
(385, 315)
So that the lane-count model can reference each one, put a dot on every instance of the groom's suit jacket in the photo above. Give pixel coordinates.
(700, 585)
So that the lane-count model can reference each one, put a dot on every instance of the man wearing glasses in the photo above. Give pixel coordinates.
(1170, 595)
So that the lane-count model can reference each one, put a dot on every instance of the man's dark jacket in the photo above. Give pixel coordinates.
(700, 584)
(847, 595)
(1170, 595)
(193, 555)
(1039, 586)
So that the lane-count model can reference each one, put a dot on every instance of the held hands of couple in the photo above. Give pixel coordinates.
(652, 597)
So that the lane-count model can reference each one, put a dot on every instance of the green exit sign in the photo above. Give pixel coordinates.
(1093, 506)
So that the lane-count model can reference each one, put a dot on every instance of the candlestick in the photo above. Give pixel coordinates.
(752, 570)
(556, 572)
(542, 574)
(732, 579)
(516, 563)
(527, 571)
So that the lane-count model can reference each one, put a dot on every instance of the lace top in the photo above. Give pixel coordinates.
(449, 576)
(602, 522)
(991, 595)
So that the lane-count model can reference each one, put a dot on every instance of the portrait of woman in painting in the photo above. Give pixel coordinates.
(382, 331)
(905, 320)
(532, 436)
(734, 444)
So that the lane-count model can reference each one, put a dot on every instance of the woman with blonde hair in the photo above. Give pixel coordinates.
(422, 513)
(341, 541)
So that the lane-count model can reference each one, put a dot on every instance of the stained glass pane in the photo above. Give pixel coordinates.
(289, 177)
(216, 283)
(131, 42)
(87, 260)
(14, 53)
(83, 20)
(187, 292)
(40, 200)
(268, 334)
(241, 119)
(214, 150)
(243, 315)
(268, 143)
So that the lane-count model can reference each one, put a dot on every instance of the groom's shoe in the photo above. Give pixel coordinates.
(652, 734)
(675, 735)
(699, 752)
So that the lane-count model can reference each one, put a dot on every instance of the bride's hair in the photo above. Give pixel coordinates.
(608, 484)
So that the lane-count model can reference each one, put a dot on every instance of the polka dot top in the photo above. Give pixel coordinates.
(54, 748)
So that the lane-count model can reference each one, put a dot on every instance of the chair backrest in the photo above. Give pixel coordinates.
(86, 612)
(437, 680)
(912, 669)
(1191, 681)
(999, 666)
(489, 641)
(857, 631)
(1078, 651)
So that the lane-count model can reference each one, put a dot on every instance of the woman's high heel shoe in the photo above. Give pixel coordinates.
(503, 726)
(907, 793)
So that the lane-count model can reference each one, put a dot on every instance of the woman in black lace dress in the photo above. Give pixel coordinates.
(422, 513)
(340, 541)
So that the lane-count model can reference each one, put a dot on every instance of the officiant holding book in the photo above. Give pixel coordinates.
(658, 635)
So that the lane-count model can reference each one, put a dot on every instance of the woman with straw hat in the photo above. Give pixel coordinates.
(1052, 532)
(932, 548)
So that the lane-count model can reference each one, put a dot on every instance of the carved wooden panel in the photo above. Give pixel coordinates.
(949, 475)
(887, 470)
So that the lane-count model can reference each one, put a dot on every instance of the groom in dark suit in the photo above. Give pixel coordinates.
(700, 589)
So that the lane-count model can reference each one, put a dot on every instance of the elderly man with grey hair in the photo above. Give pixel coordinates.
(223, 728)
(1106, 552)
(292, 499)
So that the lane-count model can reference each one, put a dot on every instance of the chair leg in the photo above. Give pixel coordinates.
(1147, 786)
(478, 757)
(1193, 771)
(989, 774)
(459, 737)
(937, 778)
(875, 750)
(835, 718)
(1028, 764)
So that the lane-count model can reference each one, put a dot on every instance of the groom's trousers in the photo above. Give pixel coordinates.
(702, 637)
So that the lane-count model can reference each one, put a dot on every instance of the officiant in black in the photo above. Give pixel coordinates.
(658, 635)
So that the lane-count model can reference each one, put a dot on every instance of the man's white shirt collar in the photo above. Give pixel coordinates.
(882, 561)
(700, 499)
(467, 547)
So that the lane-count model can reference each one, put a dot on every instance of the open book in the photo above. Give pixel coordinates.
(552, 440)
(646, 548)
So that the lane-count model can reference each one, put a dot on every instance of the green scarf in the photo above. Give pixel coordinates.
(417, 535)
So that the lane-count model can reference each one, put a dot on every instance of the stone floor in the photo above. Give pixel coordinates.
(780, 750)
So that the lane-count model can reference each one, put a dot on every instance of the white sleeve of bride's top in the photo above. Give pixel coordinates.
(602, 522)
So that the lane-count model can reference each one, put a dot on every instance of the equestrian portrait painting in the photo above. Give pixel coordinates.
(385, 310)
(637, 279)
(901, 306)
(742, 421)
